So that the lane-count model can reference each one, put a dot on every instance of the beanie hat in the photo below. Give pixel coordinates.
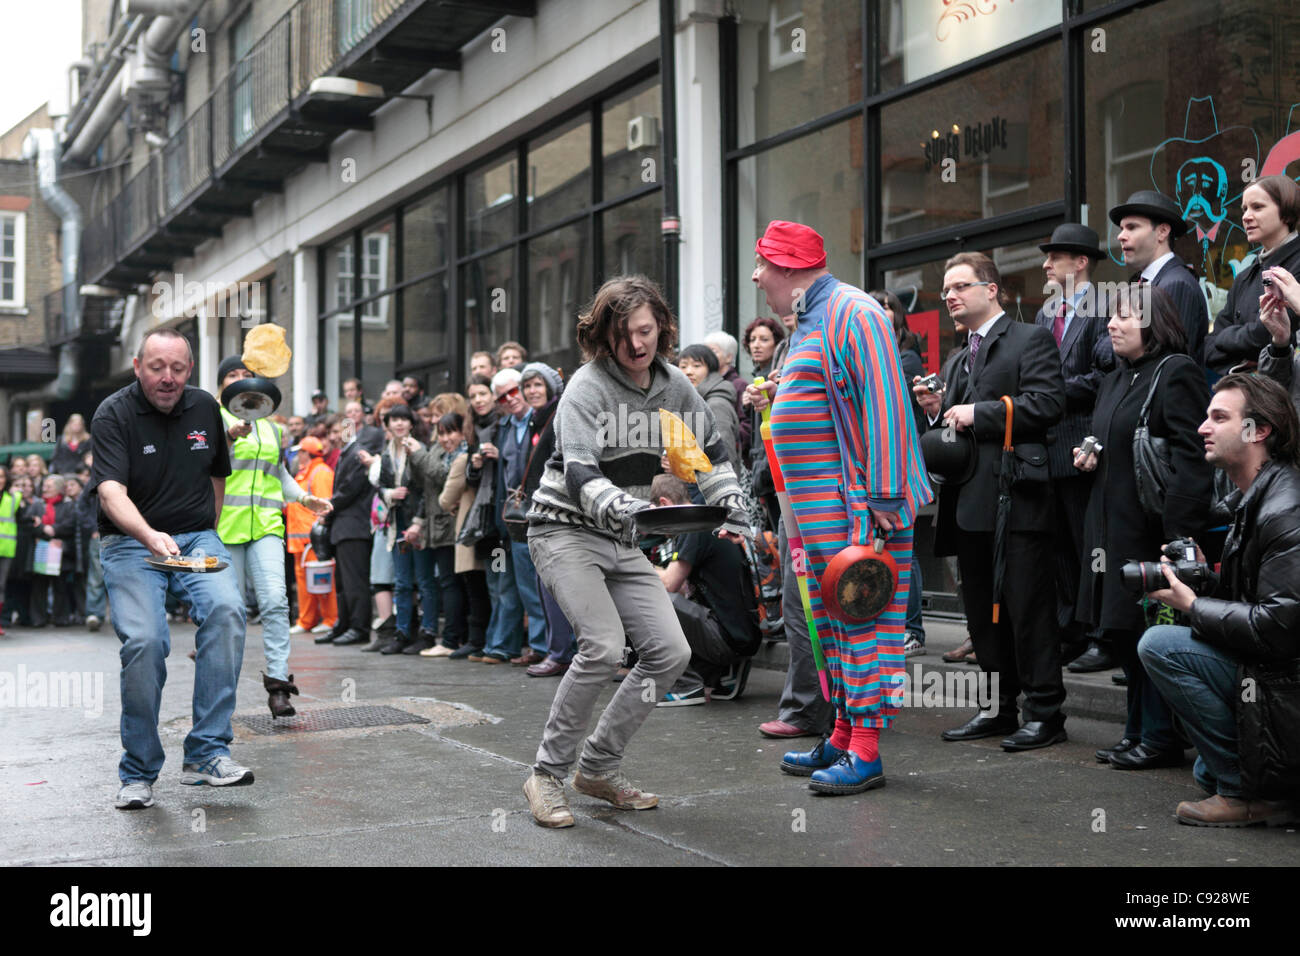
(228, 365)
(547, 374)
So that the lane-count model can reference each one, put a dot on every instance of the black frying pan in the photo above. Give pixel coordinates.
(680, 519)
(251, 398)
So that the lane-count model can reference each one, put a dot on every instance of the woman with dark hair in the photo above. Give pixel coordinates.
(1270, 209)
(457, 499)
(761, 339)
(701, 366)
(583, 537)
(1150, 347)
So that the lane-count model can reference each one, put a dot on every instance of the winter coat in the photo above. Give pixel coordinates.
(1254, 613)
(1238, 334)
(1116, 529)
(429, 468)
(719, 395)
(458, 498)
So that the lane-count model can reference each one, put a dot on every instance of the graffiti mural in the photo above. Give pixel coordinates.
(1205, 170)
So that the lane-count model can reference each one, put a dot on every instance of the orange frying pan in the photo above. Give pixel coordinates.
(859, 582)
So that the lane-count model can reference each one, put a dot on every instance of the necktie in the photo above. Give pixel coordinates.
(974, 345)
(1058, 327)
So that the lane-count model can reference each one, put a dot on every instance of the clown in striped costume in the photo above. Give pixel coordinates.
(845, 488)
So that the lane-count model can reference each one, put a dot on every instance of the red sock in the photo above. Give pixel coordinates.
(866, 742)
(843, 734)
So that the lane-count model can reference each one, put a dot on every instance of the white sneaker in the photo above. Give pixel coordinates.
(134, 796)
(322, 628)
(438, 650)
(913, 647)
(297, 629)
(93, 623)
(217, 772)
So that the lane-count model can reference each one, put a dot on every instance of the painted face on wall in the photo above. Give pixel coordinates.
(1203, 192)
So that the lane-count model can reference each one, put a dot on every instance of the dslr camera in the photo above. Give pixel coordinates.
(1142, 577)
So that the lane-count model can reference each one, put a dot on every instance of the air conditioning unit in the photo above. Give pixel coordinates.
(642, 132)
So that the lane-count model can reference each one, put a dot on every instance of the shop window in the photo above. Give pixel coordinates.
(795, 61)
(425, 238)
(1211, 103)
(813, 180)
(633, 242)
(555, 260)
(630, 128)
(919, 38)
(961, 151)
(559, 173)
(490, 204)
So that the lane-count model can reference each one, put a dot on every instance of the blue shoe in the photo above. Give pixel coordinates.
(802, 764)
(850, 774)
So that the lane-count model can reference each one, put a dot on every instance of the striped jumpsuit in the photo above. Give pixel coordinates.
(864, 661)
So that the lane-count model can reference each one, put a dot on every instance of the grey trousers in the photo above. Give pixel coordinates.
(802, 704)
(606, 590)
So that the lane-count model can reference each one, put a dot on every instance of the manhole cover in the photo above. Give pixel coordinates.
(337, 718)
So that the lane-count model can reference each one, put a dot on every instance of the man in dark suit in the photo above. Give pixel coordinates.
(1076, 313)
(1021, 361)
(1148, 224)
(350, 536)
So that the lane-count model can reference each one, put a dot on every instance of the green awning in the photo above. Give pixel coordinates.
(24, 448)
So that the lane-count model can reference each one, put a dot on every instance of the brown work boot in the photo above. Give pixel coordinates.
(615, 788)
(1221, 811)
(546, 800)
(278, 695)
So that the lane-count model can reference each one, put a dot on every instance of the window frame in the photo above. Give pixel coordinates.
(19, 299)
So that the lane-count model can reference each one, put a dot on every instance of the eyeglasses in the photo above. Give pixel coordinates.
(505, 397)
(959, 288)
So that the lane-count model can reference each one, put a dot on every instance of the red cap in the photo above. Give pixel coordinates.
(792, 245)
(312, 446)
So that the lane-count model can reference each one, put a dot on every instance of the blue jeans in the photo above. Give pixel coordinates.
(137, 594)
(526, 583)
(1199, 682)
(411, 568)
(259, 567)
(506, 634)
(96, 596)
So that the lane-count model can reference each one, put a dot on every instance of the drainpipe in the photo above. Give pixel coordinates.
(40, 144)
(671, 224)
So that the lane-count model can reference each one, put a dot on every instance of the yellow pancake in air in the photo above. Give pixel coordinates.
(265, 351)
(685, 457)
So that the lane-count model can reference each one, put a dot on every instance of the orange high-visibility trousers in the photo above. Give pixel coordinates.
(313, 608)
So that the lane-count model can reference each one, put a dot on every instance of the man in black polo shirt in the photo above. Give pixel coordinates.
(720, 618)
(160, 470)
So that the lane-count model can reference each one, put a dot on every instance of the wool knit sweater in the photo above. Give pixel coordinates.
(608, 446)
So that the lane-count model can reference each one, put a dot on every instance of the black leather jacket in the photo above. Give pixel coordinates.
(1254, 613)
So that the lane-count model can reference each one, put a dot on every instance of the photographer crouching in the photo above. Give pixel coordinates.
(1250, 614)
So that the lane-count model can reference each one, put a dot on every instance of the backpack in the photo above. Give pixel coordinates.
(764, 562)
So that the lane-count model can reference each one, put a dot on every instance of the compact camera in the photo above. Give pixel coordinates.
(1089, 446)
(932, 382)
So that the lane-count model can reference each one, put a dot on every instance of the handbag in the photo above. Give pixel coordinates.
(514, 511)
(1152, 460)
(1268, 730)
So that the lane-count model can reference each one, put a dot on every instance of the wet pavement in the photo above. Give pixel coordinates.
(446, 791)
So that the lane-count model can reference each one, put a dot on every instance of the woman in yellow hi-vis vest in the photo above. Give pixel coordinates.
(9, 505)
(252, 529)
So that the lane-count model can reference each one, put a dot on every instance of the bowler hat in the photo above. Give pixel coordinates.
(1155, 206)
(950, 455)
(1074, 238)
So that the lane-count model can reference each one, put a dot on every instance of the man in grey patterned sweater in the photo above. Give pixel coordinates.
(582, 538)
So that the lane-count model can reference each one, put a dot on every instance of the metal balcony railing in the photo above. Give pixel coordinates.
(307, 42)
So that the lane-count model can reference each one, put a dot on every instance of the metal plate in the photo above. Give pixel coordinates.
(161, 564)
(337, 718)
(680, 519)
